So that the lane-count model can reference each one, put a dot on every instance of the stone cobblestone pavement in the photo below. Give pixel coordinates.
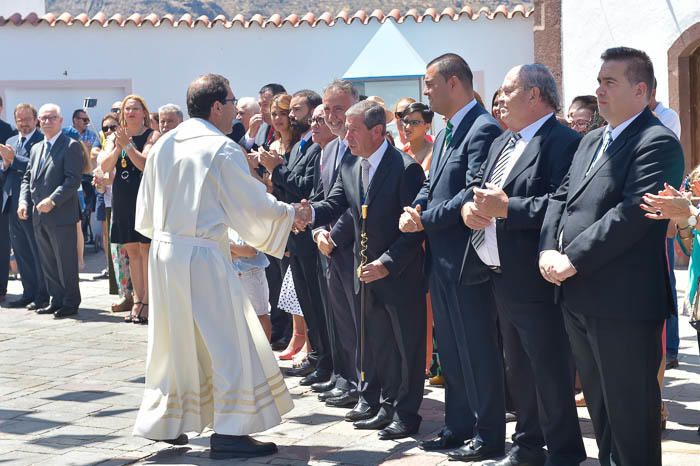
(69, 391)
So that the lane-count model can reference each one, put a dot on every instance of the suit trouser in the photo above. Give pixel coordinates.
(395, 335)
(539, 358)
(279, 318)
(342, 305)
(58, 254)
(4, 253)
(305, 274)
(27, 257)
(618, 360)
(467, 338)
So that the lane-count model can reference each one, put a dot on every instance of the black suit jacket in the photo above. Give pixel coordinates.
(11, 179)
(294, 181)
(535, 177)
(619, 255)
(442, 195)
(59, 179)
(394, 185)
(6, 131)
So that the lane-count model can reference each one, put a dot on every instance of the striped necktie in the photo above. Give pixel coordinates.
(478, 236)
(448, 133)
(607, 140)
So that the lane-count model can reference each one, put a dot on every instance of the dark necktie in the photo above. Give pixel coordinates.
(607, 140)
(44, 156)
(20, 146)
(302, 144)
(478, 236)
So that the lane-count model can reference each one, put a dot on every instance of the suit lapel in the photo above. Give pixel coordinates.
(456, 141)
(494, 153)
(48, 158)
(377, 180)
(532, 150)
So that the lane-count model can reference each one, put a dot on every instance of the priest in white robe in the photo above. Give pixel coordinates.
(208, 361)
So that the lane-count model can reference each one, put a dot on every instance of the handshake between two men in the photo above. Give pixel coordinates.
(488, 204)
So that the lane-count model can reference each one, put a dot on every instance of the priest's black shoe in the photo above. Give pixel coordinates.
(336, 392)
(182, 439)
(19, 302)
(378, 422)
(33, 306)
(234, 446)
(362, 410)
(346, 400)
(445, 440)
(398, 429)
(65, 312)
(321, 387)
(475, 450)
(523, 457)
(303, 370)
(50, 309)
(319, 375)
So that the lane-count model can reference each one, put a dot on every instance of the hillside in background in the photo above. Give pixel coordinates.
(230, 8)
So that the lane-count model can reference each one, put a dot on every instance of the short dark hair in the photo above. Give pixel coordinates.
(313, 100)
(451, 64)
(203, 92)
(639, 69)
(589, 102)
(372, 113)
(77, 112)
(424, 110)
(274, 88)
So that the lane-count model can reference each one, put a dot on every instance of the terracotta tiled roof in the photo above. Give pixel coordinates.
(275, 20)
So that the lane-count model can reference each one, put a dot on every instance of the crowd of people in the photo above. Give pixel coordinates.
(499, 257)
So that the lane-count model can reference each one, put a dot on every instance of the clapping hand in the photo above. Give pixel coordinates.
(121, 138)
(8, 155)
(556, 267)
(302, 216)
(473, 217)
(491, 201)
(668, 204)
(410, 221)
(254, 124)
(269, 160)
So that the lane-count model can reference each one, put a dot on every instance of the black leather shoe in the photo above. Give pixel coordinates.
(346, 400)
(321, 387)
(361, 411)
(316, 376)
(523, 457)
(336, 392)
(475, 452)
(50, 309)
(182, 439)
(279, 345)
(234, 446)
(19, 302)
(303, 370)
(378, 422)
(33, 306)
(446, 440)
(65, 312)
(398, 429)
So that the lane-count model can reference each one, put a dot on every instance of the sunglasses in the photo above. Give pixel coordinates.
(109, 128)
(85, 120)
(115, 110)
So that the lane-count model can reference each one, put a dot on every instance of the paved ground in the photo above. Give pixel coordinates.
(69, 390)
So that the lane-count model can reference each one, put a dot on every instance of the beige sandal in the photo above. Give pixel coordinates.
(123, 305)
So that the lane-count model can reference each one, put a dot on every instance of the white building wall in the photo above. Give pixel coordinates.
(589, 27)
(160, 62)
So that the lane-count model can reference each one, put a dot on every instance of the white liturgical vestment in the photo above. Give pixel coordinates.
(208, 361)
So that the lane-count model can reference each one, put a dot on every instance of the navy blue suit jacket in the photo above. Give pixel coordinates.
(11, 178)
(452, 170)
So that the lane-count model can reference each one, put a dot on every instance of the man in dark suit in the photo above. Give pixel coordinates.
(293, 181)
(50, 190)
(505, 211)
(609, 260)
(15, 157)
(385, 180)
(465, 319)
(335, 244)
(6, 130)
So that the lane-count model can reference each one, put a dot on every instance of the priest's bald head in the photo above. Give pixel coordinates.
(210, 98)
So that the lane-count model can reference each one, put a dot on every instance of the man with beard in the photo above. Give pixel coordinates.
(294, 181)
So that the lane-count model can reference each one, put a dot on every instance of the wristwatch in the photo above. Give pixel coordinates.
(693, 219)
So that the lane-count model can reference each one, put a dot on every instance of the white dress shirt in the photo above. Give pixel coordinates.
(669, 118)
(488, 252)
(461, 113)
(375, 159)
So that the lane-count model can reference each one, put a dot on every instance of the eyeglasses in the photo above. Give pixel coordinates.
(109, 128)
(233, 100)
(115, 110)
(580, 123)
(408, 122)
(318, 121)
(47, 119)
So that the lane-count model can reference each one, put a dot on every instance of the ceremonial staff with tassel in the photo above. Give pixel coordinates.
(363, 298)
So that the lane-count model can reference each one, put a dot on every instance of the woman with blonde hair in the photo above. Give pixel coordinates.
(126, 152)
